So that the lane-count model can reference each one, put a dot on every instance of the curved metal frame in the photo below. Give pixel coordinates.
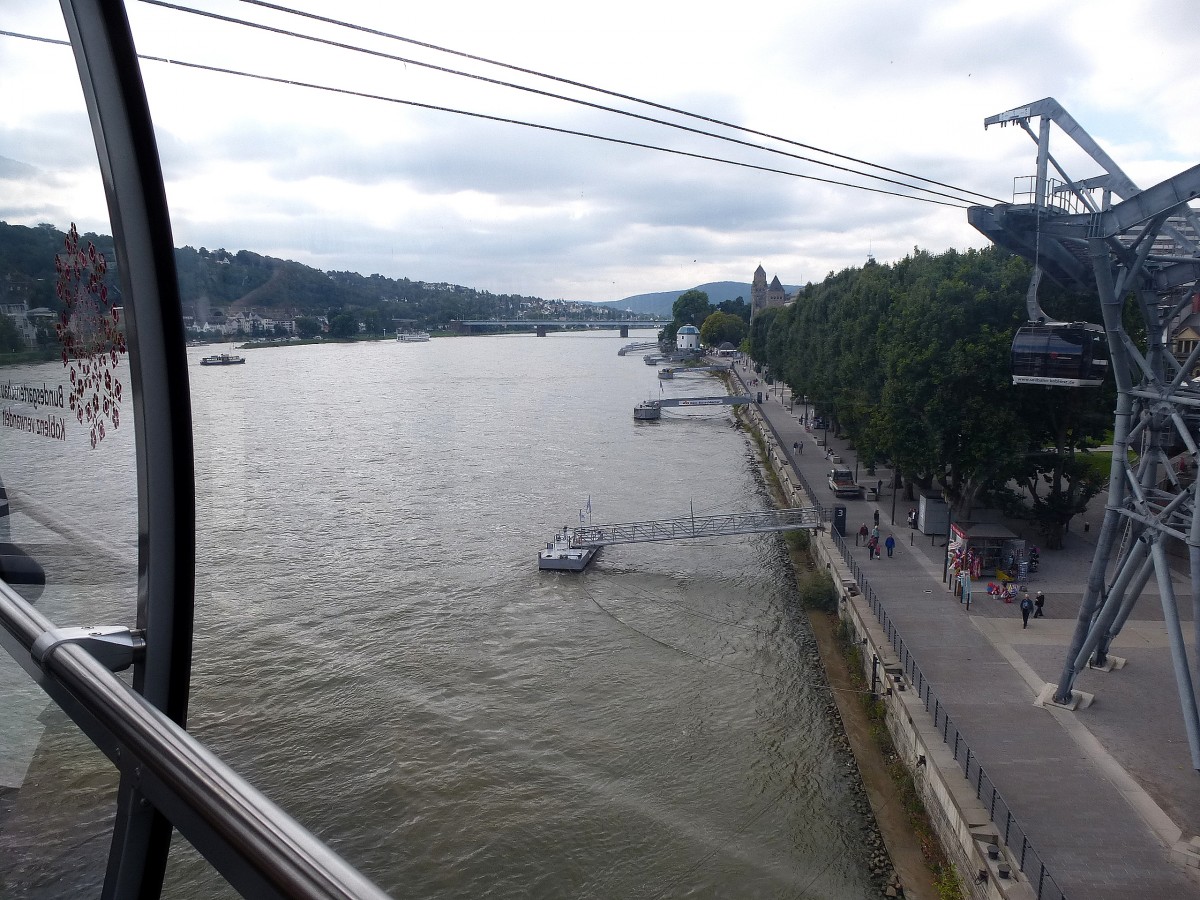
(166, 775)
(128, 154)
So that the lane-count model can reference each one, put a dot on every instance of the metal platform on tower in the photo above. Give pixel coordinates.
(1105, 234)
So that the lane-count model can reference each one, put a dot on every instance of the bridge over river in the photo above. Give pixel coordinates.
(542, 326)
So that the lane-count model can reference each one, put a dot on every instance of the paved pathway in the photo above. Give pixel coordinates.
(1102, 793)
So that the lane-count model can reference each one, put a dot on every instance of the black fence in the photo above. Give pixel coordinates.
(999, 812)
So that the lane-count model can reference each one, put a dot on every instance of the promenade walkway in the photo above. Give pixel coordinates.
(1107, 795)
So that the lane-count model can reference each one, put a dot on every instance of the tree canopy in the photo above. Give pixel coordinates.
(690, 308)
(911, 362)
(720, 327)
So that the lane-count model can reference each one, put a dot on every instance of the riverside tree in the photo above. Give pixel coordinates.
(911, 362)
(690, 308)
(721, 327)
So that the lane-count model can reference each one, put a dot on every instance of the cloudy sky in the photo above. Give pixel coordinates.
(342, 181)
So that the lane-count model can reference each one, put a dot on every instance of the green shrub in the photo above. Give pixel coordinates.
(816, 591)
(799, 540)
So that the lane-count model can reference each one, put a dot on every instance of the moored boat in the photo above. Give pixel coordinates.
(647, 411)
(563, 554)
(412, 337)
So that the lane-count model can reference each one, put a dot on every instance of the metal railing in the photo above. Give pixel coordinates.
(684, 527)
(1059, 197)
(999, 812)
(257, 847)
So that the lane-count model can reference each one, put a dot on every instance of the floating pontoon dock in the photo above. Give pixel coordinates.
(686, 527)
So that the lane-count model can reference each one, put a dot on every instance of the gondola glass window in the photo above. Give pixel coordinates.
(1060, 355)
(68, 476)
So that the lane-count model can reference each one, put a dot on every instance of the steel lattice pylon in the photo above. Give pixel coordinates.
(1104, 232)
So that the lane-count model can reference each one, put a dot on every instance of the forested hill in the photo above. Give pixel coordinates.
(218, 282)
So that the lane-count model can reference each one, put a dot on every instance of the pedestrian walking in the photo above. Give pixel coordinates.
(862, 533)
(872, 546)
(801, 449)
(876, 518)
(1038, 602)
(875, 532)
(890, 543)
(1026, 609)
(879, 488)
(795, 446)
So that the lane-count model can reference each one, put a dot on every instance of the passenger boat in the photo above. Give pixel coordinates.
(223, 359)
(563, 554)
(412, 337)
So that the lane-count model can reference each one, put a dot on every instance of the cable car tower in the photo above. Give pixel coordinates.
(1103, 231)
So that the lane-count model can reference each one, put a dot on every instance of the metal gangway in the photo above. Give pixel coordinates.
(637, 345)
(649, 410)
(693, 526)
(672, 371)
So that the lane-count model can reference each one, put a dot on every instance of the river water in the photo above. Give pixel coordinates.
(377, 652)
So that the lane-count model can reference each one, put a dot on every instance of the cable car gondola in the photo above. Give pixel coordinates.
(1060, 354)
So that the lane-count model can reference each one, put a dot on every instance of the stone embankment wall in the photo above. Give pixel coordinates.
(961, 822)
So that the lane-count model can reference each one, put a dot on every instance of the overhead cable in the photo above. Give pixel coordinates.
(599, 90)
(542, 93)
(509, 121)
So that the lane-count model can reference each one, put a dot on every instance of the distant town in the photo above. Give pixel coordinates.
(230, 296)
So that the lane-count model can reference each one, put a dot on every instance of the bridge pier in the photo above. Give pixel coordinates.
(625, 331)
(541, 331)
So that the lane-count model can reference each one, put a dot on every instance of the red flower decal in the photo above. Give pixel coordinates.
(89, 330)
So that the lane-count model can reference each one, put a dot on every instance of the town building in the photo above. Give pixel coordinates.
(687, 338)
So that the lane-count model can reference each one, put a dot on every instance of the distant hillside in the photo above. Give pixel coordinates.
(660, 303)
(214, 284)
